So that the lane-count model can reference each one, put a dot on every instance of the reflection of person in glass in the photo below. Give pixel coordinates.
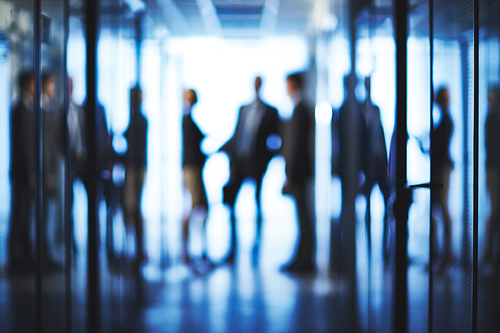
(376, 168)
(298, 152)
(441, 169)
(193, 160)
(22, 173)
(492, 141)
(51, 162)
(249, 156)
(135, 166)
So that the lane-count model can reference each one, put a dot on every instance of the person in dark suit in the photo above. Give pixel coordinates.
(193, 160)
(441, 166)
(349, 162)
(249, 154)
(135, 168)
(52, 159)
(377, 163)
(22, 173)
(298, 150)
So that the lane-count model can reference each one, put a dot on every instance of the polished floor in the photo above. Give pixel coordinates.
(255, 298)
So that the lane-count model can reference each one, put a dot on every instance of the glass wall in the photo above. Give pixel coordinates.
(17, 226)
(488, 102)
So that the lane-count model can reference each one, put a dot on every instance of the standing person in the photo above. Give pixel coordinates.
(441, 166)
(298, 152)
(135, 167)
(492, 139)
(376, 169)
(22, 174)
(249, 156)
(193, 160)
(52, 156)
(77, 130)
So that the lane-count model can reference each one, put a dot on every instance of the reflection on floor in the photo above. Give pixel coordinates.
(245, 298)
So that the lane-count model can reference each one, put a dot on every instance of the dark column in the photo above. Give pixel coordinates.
(403, 199)
(37, 13)
(93, 285)
(349, 195)
(476, 168)
(68, 184)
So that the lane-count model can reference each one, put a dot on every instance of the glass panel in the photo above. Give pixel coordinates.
(375, 68)
(452, 156)
(489, 165)
(418, 162)
(17, 173)
(53, 138)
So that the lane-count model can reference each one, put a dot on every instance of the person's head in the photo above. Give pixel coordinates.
(257, 84)
(190, 97)
(135, 99)
(443, 98)
(27, 82)
(493, 98)
(49, 84)
(294, 84)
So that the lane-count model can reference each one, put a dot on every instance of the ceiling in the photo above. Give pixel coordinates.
(232, 18)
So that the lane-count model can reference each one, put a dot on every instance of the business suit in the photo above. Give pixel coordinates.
(250, 155)
(298, 150)
(22, 174)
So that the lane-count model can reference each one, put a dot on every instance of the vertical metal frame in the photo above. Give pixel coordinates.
(475, 217)
(403, 197)
(68, 184)
(430, 297)
(93, 280)
(37, 13)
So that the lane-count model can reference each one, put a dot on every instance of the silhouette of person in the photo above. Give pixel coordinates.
(297, 150)
(135, 167)
(22, 173)
(103, 153)
(51, 163)
(77, 131)
(193, 160)
(249, 156)
(340, 133)
(349, 137)
(492, 139)
(377, 163)
(441, 166)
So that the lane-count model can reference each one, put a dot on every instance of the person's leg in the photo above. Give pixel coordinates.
(448, 254)
(383, 184)
(139, 221)
(304, 256)
(230, 191)
(19, 240)
(258, 232)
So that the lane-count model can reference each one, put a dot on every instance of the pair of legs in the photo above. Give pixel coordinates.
(304, 259)
(134, 180)
(493, 184)
(377, 175)
(193, 181)
(439, 197)
(230, 191)
(19, 243)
